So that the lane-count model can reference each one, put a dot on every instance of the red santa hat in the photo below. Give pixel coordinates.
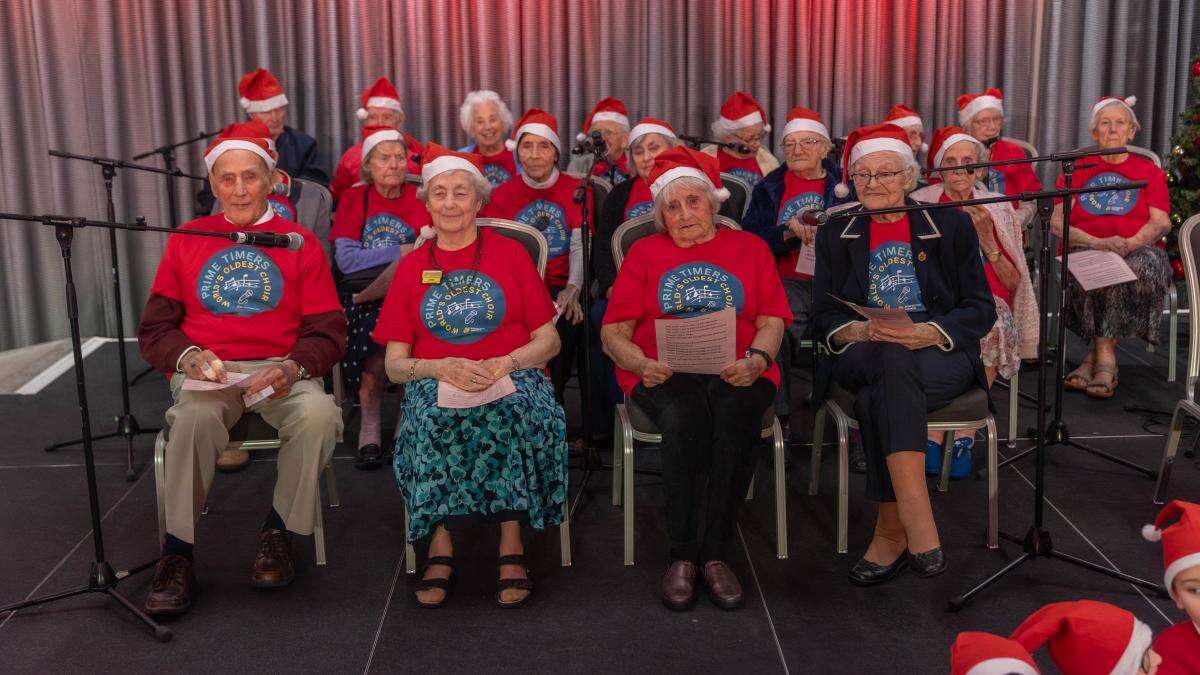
(680, 162)
(975, 653)
(970, 105)
(805, 119)
(260, 91)
(740, 111)
(437, 160)
(376, 134)
(650, 125)
(539, 123)
(945, 137)
(381, 94)
(1128, 102)
(250, 135)
(905, 117)
(1180, 541)
(1087, 637)
(609, 109)
(866, 140)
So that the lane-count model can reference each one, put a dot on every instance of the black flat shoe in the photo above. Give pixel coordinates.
(525, 584)
(369, 457)
(867, 573)
(445, 584)
(858, 460)
(930, 563)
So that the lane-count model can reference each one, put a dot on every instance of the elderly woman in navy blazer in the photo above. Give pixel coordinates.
(927, 263)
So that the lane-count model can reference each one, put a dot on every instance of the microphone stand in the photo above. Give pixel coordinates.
(168, 154)
(102, 578)
(694, 142)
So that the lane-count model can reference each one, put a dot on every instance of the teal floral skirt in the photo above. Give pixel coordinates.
(506, 460)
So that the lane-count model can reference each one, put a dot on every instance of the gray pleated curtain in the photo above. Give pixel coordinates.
(119, 77)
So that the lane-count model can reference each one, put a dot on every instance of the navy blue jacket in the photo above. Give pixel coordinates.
(949, 271)
(297, 156)
(763, 211)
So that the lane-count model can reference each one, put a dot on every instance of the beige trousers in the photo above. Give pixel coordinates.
(308, 421)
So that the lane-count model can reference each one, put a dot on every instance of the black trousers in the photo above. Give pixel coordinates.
(570, 336)
(708, 427)
(895, 389)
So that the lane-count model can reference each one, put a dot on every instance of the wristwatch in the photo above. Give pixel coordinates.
(992, 256)
(752, 351)
(301, 371)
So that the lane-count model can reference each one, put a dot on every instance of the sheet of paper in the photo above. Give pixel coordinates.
(887, 317)
(251, 399)
(450, 396)
(698, 344)
(806, 262)
(1096, 269)
(233, 380)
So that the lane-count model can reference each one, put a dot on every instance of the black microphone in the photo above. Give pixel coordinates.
(292, 241)
(991, 141)
(812, 216)
(697, 141)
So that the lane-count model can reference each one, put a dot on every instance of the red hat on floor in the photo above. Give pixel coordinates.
(381, 94)
(251, 135)
(1087, 637)
(679, 162)
(975, 653)
(866, 140)
(970, 105)
(260, 91)
(650, 125)
(376, 134)
(1180, 540)
(609, 109)
(942, 140)
(539, 123)
(805, 119)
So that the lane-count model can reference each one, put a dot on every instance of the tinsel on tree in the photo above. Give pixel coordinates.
(1183, 165)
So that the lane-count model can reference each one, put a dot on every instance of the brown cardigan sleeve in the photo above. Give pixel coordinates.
(322, 342)
(160, 339)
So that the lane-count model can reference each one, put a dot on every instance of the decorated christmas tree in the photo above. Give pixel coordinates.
(1183, 167)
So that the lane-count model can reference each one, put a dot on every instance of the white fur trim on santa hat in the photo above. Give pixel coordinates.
(1131, 659)
(644, 129)
(210, 157)
(978, 105)
(537, 129)
(685, 171)
(1128, 102)
(382, 136)
(447, 163)
(1002, 666)
(910, 121)
(745, 121)
(870, 145)
(378, 102)
(265, 104)
(951, 140)
(611, 116)
(814, 126)
(1174, 569)
(925, 148)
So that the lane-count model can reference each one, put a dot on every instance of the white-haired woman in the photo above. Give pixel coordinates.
(1128, 223)
(710, 423)
(486, 119)
(926, 263)
(377, 222)
(467, 313)
(743, 122)
(1015, 335)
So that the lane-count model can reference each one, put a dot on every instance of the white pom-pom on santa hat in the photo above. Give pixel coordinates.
(722, 193)
(428, 232)
(581, 137)
(510, 144)
(1151, 533)
(361, 113)
(841, 190)
(925, 148)
(1130, 101)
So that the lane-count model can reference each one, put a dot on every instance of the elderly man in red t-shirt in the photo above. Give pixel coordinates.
(261, 321)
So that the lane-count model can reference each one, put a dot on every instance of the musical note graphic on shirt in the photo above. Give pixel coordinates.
(468, 308)
(702, 293)
(898, 279)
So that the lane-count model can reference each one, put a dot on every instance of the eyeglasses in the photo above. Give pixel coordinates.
(989, 120)
(808, 144)
(750, 138)
(884, 177)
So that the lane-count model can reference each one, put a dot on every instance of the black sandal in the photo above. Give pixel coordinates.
(368, 457)
(430, 584)
(525, 584)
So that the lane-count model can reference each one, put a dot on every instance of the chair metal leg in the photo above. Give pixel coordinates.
(818, 440)
(319, 528)
(947, 448)
(1169, 450)
(618, 454)
(993, 485)
(843, 488)
(627, 489)
(1014, 408)
(1173, 336)
(564, 535)
(160, 485)
(410, 554)
(781, 542)
(331, 486)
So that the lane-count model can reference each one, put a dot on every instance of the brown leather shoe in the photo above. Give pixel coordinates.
(723, 586)
(229, 461)
(679, 586)
(173, 587)
(273, 564)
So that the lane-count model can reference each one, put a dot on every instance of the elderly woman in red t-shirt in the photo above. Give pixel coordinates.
(710, 423)
(469, 328)
(1128, 223)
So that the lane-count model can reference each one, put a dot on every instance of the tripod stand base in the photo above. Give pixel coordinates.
(102, 580)
(1149, 473)
(127, 428)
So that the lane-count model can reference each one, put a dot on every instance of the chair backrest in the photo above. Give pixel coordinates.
(1147, 153)
(1189, 248)
(525, 235)
(1030, 151)
(739, 193)
(643, 226)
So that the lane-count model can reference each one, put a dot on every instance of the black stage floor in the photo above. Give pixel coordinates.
(356, 614)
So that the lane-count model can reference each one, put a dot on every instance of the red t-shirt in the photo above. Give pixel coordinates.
(385, 222)
(241, 301)
(1119, 213)
(500, 167)
(640, 201)
(472, 313)
(891, 276)
(661, 280)
(798, 194)
(1179, 647)
(745, 168)
(989, 271)
(347, 172)
(551, 210)
(1011, 179)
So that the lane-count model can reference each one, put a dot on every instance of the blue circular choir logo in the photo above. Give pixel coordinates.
(385, 229)
(751, 178)
(1110, 203)
(464, 308)
(639, 209)
(282, 207)
(893, 279)
(240, 280)
(796, 204)
(699, 287)
(495, 174)
(995, 181)
(548, 217)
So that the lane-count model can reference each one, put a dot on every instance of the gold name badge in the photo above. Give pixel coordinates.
(431, 276)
